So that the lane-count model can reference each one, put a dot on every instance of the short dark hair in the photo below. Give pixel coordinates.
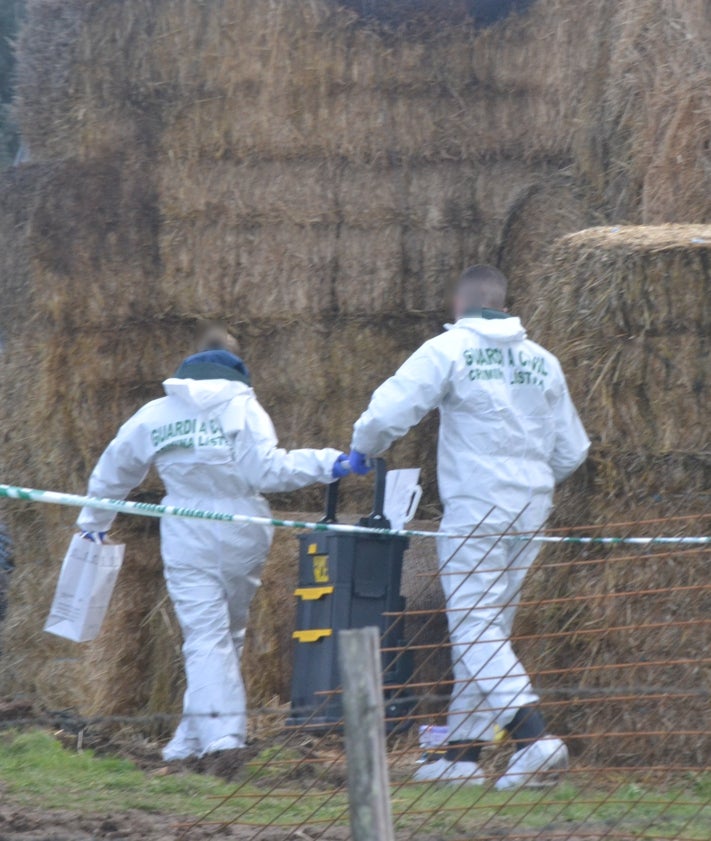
(486, 286)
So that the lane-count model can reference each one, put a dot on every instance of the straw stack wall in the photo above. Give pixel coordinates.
(316, 182)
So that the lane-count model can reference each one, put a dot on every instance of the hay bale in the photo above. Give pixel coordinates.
(49, 34)
(655, 116)
(315, 183)
(602, 674)
(534, 221)
(15, 208)
(276, 239)
(269, 95)
(94, 227)
(594, 265)
(638, 342)
(625, 310)
(572, 82)
(363, 125)
(80, 244)
(419, 95)
(69, 112)
(277, 272)
(61, 416)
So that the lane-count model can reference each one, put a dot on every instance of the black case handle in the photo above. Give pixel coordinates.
(376, 519)
(331, 515)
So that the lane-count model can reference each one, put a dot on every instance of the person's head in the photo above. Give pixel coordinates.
(217, 358)
(215, 337)
(480, 287)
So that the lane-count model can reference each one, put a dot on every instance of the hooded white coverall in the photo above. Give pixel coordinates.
(508, 433)
(215, 449)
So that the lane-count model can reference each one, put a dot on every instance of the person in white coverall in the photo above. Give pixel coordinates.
(215, 449)
(508, 433)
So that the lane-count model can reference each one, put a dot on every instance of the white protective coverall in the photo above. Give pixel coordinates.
(508, 433)
(215, 449)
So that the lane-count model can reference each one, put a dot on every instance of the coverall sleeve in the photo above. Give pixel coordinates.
(269, 468)
(123, 465)
(571, 442)
(401, 402)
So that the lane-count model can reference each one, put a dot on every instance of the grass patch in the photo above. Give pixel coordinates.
(681, 812)
(36, 771)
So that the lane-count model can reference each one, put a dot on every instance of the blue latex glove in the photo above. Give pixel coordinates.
(94, 536)
(341, 467)
(359, 463)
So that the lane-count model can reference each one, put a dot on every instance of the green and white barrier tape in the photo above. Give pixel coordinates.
(144, 509)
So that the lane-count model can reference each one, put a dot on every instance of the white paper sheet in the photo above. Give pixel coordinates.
(402, 496)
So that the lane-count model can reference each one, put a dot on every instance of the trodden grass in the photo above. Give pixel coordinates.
(36, 771)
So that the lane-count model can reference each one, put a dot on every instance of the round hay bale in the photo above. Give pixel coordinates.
(638, 341)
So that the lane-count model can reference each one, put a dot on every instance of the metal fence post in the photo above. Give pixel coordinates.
(364, 713)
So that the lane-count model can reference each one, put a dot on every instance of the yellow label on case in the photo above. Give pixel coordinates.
(312, 635)
(313, 594)
(321, 569)
(313, 548)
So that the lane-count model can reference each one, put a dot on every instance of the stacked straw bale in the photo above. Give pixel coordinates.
(627, 310)
(639, 296)
(654, 121)
(316, 183)
(580, 81)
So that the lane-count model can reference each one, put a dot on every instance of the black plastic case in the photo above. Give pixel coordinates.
(347, 581)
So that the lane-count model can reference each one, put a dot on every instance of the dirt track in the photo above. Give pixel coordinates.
(17, 824)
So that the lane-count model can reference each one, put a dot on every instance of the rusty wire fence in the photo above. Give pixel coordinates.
(615, 637)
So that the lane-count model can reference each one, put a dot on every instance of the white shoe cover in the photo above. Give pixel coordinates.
(534, 765)
(178, 749)
(443, 771)
(225, 743)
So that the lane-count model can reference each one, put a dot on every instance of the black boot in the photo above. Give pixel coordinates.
(526, 726)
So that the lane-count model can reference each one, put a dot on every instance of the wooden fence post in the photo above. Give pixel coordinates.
(364, 713)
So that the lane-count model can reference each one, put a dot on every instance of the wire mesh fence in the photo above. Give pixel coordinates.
(615, 640)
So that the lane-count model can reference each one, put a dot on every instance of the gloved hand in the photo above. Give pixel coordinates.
(359, 463)
(94, 536)
(341, 467)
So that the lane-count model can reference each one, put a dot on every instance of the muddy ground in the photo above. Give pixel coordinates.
(20, 825)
